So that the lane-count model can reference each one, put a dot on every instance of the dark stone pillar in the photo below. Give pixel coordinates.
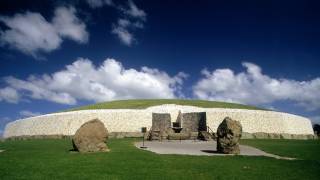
(161, 126)
(193, 122)
(161, 121)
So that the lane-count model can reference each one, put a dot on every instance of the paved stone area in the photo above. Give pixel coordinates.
(205, 148)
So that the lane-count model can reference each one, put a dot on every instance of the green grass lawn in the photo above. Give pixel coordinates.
(51, 159)
(145, 103)
(301, 149)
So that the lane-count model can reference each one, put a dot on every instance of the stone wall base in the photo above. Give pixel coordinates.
(26, 137)
(111, 135)
(245, 135)
(262, 135)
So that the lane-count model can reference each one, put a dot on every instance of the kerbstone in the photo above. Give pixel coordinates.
(229, 133)
(91, 137)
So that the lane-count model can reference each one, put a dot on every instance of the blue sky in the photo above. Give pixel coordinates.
(62, 54)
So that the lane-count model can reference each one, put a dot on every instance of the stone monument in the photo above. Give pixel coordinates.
(228, 136)
(91, 137)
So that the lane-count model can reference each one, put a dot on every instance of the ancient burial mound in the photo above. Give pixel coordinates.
(125, 119)
(228, 136)
(91, 137)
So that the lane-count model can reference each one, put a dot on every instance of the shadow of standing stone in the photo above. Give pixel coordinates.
(229, 133)
(91, 137)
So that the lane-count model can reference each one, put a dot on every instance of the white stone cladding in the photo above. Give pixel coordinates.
(131, 120)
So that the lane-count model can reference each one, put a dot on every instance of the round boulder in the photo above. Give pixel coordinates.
(91, 137)
(228, 136)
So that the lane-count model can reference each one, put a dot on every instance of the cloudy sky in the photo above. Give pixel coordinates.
(62, 54)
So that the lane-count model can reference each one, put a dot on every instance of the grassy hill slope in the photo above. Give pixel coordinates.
(145, 103)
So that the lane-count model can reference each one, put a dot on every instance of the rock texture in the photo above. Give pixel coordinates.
(91, 137)
(161, 126)
(179, 136)
(161, 121)
(193, 122)
(205, 136)
(229, 133)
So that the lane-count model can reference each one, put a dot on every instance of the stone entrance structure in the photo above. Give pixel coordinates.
(161, 126)
(189, 125)
(193, 122)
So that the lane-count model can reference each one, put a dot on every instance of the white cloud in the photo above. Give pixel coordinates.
(123, 34)
(32, 34)
(83, 81)
(99, 3)
(254, 87)
(9, 94)
(26, 113)
(36, 89)
(134, 11)
(124, 22)
(68, 25)
(132, 18)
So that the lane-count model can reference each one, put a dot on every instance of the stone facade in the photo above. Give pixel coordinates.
(161, 121)
(193, 122)
(131, 121)
(161, 126)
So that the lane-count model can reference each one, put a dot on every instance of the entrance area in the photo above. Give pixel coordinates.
(187, 126)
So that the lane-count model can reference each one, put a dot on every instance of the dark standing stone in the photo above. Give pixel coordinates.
(91, 137)
(193, 122)
(161, 121)
(161, 126)
(229, 133)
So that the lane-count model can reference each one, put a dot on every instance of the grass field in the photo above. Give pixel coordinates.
(145, 103)
(51, 159)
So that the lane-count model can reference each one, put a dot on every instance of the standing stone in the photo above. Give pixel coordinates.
(91, 137)
(193, 122)
(229, 133)
(161, 126)
(161, 121)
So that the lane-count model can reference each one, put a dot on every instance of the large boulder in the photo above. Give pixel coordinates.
(228, 136)
(91, 137)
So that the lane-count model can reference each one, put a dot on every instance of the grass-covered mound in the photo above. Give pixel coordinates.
(145, 103)
(51, 159)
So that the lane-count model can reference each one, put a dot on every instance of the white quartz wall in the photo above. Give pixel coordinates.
(129, 120)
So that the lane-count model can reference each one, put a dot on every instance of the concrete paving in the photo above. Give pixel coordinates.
(198, 148)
